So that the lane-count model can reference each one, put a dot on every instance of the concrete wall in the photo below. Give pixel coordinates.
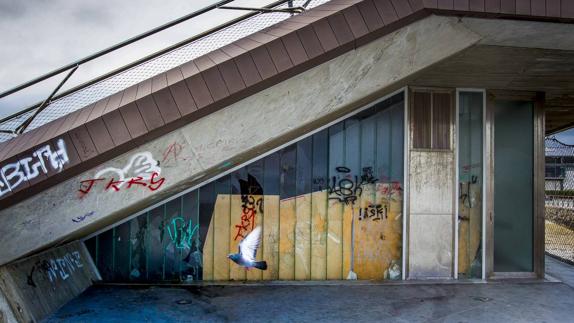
(431, 214)
(36, 286)
(6, 314)
(229, 137)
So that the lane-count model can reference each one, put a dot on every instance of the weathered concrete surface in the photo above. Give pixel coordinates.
(517, 33)
(532, 302)
(6, 313)
(232, 135)
(36, 286)
(431, 213)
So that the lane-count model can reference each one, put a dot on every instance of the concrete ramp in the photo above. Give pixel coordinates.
(35, 287)
(197, 151)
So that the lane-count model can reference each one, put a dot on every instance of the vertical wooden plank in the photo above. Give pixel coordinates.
(271, 222)
(319, 205)
(236, 234)
(255, 194)
(221, 229)
(287, 215)
(335, 208)
(350, 208)
(207, 253)
(207, 200)
(368, 220)
(303, 211)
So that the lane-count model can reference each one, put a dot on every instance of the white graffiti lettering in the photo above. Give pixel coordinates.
(140, 166)
(63, 267)
(14, 174)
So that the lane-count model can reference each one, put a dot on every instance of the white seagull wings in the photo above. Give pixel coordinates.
(249, 245)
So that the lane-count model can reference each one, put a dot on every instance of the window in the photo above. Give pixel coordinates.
(431, 119)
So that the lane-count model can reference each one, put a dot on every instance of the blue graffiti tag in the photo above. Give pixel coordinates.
(182, 232)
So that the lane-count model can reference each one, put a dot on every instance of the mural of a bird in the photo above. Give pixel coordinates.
(248, 250)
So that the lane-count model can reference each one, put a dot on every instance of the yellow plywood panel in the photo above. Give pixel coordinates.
(271, 237)
(319, 235)
(470, 228)
(221, 237)
(348, 214)
(253, 205)
(287, 220)
(208, 250)
(236, 232)
(303, 237)
(334, 239)
(392, 232)
(369, 226)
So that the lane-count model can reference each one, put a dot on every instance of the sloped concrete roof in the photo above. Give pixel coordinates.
(83, 139)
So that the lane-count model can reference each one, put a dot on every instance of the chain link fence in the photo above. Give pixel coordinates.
(559, 200)
(148, 69)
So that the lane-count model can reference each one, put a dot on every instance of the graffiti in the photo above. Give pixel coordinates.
(464, 189)
(142, 170)
(181, 232)
(79, 219)
(346, 188)
(250, 204)
(42, 161)
(55, 269)
(141, 165)
(394, 188)
(374, 212)
(172, 153)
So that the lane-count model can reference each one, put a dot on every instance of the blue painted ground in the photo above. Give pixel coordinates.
(340, 302)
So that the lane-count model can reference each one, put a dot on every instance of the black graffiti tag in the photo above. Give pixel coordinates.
(346, 188)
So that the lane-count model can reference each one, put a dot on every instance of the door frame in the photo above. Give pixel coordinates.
(537, 98)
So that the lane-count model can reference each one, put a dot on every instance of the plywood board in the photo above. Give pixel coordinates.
(287, 222)
(258, 209)
(221, 234)
(303, 238)
(271, 237)
(236, 272)
(335, 240)
(319, 235)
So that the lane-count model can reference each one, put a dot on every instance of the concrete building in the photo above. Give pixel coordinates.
(376, 139)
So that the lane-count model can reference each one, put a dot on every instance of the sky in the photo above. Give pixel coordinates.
(37, 36)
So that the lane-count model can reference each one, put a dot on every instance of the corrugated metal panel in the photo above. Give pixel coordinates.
(328, 204)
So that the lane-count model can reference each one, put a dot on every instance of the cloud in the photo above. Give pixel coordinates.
(41, 35)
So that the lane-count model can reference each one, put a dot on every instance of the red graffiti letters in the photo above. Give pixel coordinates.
(249, 208)
(113, 185)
